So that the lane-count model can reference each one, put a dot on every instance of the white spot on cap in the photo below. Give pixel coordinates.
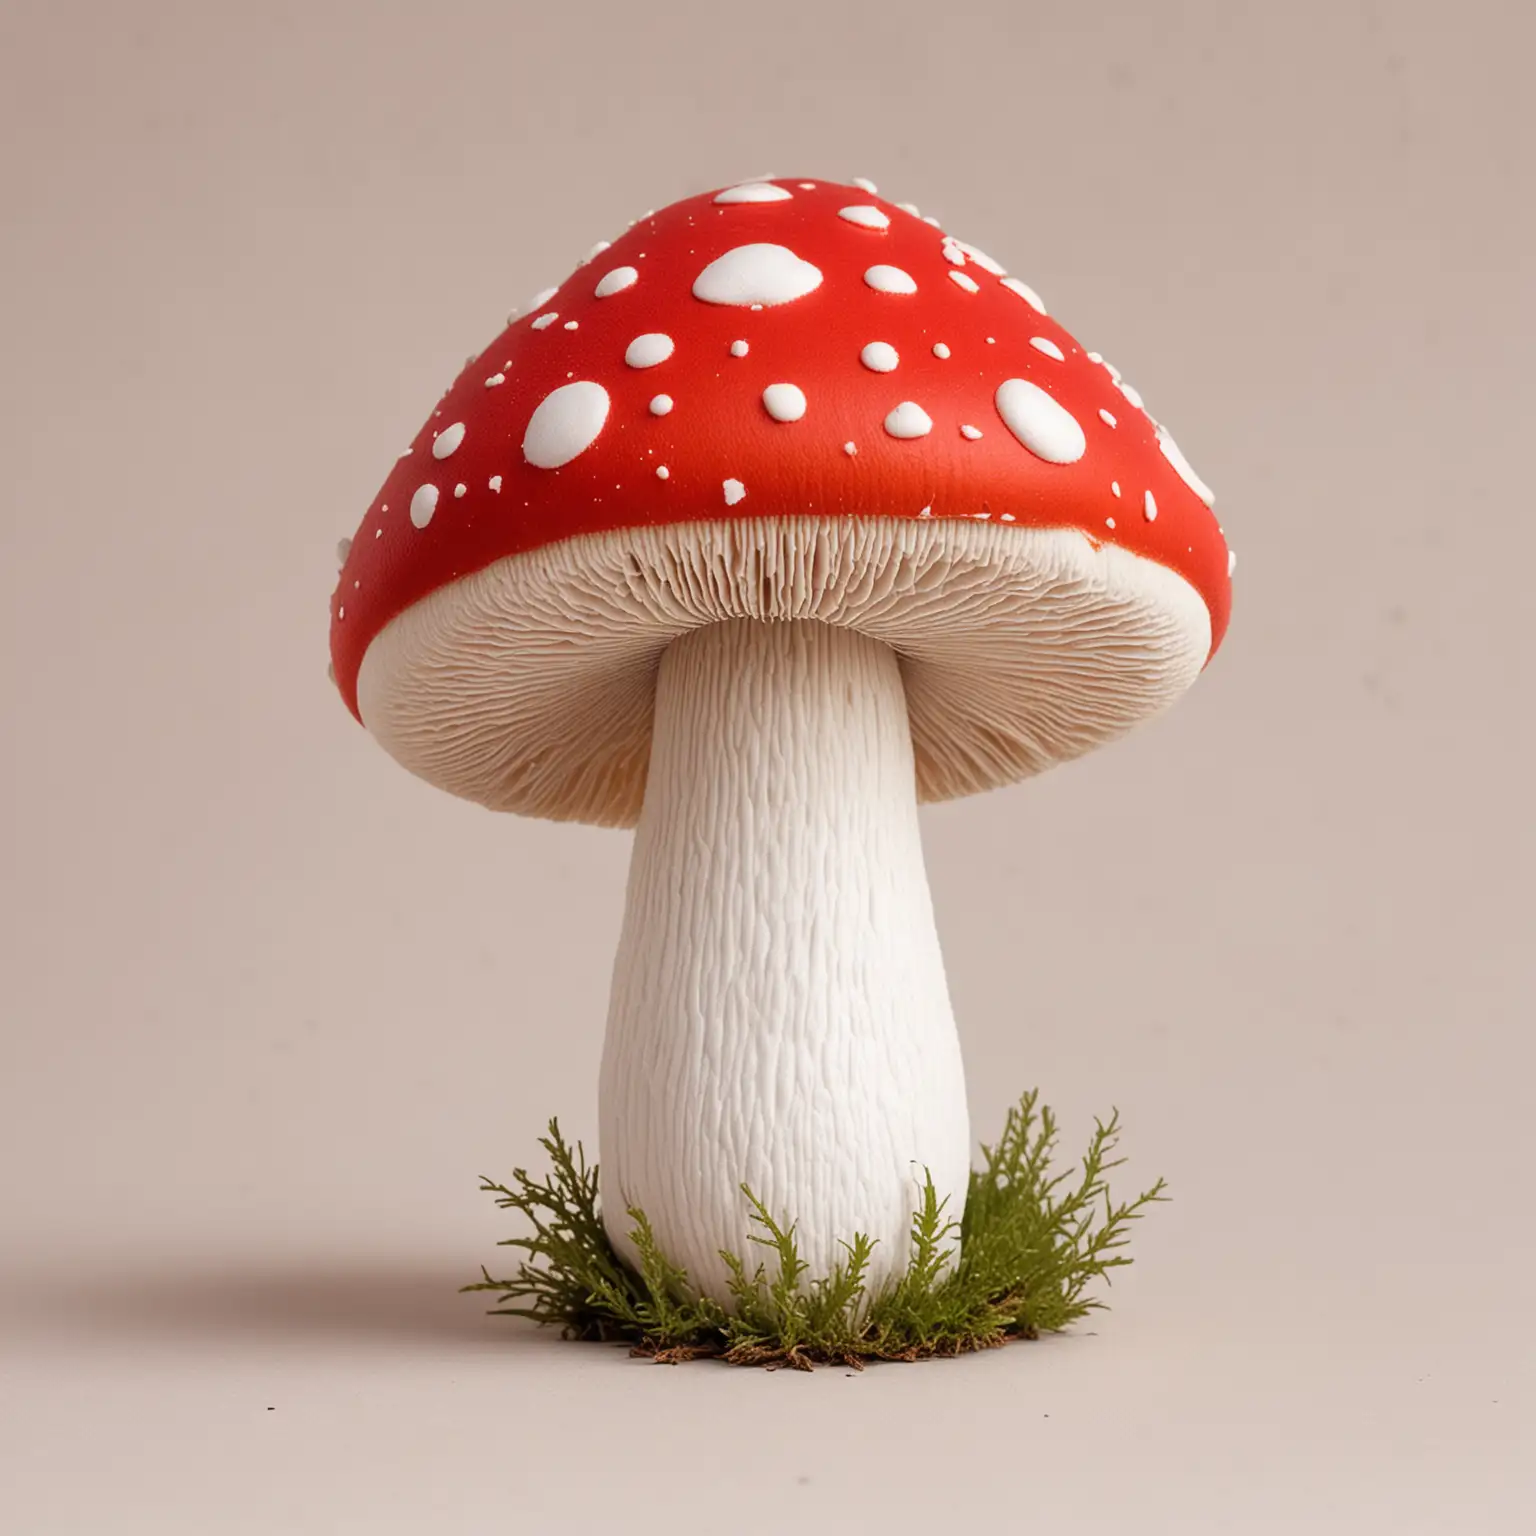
(1182, 465)
(1049, 347)
(1006, 517)
(423, 505)
(1095, 357)
(884, 279)
(756, 274)
(1131, 393)
(734, 491)
(599, 248)
(909, 419)
(565, 424)
(909, 208)
(660, 404)
(940, 349)
(739, 349)
(864, 184)
(447, 440)
(980, 257)
(784, 402)
(495, 379)
(1109, 522)
(545, 320)
(961, 280)
(754, 192)
(541, 298)
(1114, 486)
(926, 511)
(1046, 428)
(616, 281)
(1231, 561)
(865, 216)
(850, 449)
(1106, 418)
(494, 482)
(460, 488)
(928, 218)
(662, 472)
(879, 357)
(952, 252)
(571, 325)
(1149, 506)
(971, 432)
(1025, 292)
(648, 350)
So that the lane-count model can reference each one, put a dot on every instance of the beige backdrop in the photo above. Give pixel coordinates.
(270, 1005)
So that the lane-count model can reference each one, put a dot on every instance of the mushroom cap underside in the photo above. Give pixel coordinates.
(528, 685)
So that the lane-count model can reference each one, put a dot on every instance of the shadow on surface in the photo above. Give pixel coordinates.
(344, 1300)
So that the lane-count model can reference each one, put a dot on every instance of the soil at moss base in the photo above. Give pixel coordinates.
(1032, 1242)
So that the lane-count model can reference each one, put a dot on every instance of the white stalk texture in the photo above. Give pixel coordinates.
(779, 1016)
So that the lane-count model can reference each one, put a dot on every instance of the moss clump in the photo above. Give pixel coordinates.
(1031, 1242)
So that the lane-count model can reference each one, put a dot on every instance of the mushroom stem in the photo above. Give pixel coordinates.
(780, 1016)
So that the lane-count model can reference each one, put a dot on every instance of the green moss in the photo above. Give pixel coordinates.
(1031, 1243)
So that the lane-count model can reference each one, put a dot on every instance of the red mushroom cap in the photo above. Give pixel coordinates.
(774, 350)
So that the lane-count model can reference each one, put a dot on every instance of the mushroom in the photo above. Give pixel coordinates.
(789, 535)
